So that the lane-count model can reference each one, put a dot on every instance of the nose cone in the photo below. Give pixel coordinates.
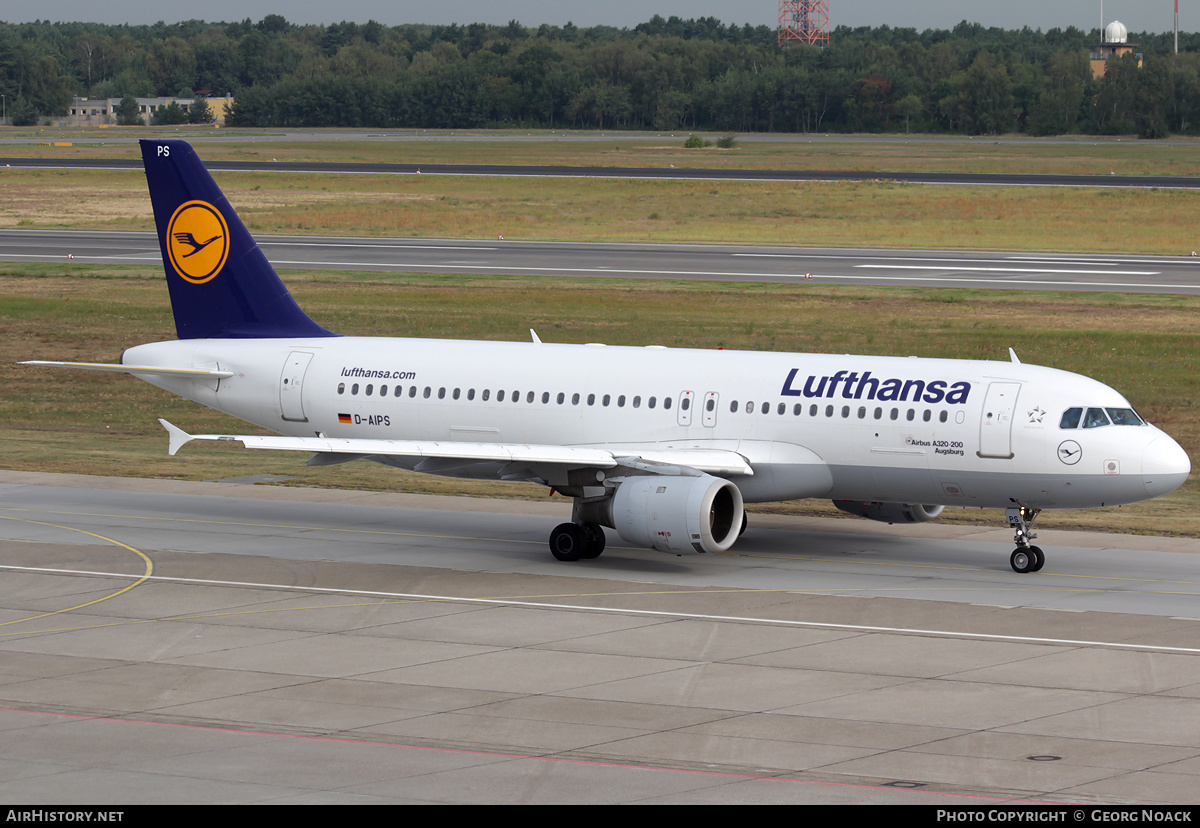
(1165, 466)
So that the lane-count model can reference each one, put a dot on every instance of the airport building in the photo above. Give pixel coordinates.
(104, 111)
(1113, 41)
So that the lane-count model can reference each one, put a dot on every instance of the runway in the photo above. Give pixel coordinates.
(204, 642)
(950, 269)
(1107, 182)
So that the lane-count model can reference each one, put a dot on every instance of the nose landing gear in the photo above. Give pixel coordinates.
(1025, 558)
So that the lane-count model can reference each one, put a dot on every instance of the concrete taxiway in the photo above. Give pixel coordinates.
(1107, 182)
(219, 642)
(994, 270)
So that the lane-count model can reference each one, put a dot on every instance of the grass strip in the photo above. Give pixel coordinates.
(874, 214)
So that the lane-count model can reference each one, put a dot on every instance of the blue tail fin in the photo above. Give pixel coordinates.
(221, 284)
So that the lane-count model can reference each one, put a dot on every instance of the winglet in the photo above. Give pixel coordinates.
(178, 437)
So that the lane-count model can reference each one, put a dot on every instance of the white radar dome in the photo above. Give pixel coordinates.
(1116, 32)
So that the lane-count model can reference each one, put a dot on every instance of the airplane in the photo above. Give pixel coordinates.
(662, 445)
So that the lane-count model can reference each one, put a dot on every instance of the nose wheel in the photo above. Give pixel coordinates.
(1025, 558)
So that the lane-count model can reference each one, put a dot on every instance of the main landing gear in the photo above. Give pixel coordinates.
(577, 541)
(1025, 558)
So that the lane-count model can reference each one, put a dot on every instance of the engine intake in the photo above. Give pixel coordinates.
(692, 513)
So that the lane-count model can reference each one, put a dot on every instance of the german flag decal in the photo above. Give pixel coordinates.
(197, 241)
(344, 418)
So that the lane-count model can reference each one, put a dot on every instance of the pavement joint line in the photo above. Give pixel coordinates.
(512, 602)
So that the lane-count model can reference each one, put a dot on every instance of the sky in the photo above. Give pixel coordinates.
(1138, 15)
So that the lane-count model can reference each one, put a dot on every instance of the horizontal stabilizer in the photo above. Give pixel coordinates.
(134, 369)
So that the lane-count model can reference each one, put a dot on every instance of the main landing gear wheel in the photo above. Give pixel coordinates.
(573, 542)
(567, 542)
(593, 541)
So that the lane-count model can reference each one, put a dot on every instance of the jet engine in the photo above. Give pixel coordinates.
(890, 512)
(689, 513)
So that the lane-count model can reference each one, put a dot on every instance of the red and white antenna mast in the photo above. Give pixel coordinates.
(804, 21)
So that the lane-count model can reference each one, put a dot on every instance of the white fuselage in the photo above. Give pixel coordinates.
(937, 431)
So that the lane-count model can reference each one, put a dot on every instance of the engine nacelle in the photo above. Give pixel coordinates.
(890, 512)
(698, 513)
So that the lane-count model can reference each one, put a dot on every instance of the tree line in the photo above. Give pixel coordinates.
(665, 74)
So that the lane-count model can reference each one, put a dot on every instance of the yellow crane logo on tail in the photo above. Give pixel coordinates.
(197, 241)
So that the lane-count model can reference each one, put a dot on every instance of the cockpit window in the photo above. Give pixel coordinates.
(1095, 418)
(1070, 418)
(1124, 416)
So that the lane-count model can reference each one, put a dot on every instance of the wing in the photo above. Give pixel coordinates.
(330, 450)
